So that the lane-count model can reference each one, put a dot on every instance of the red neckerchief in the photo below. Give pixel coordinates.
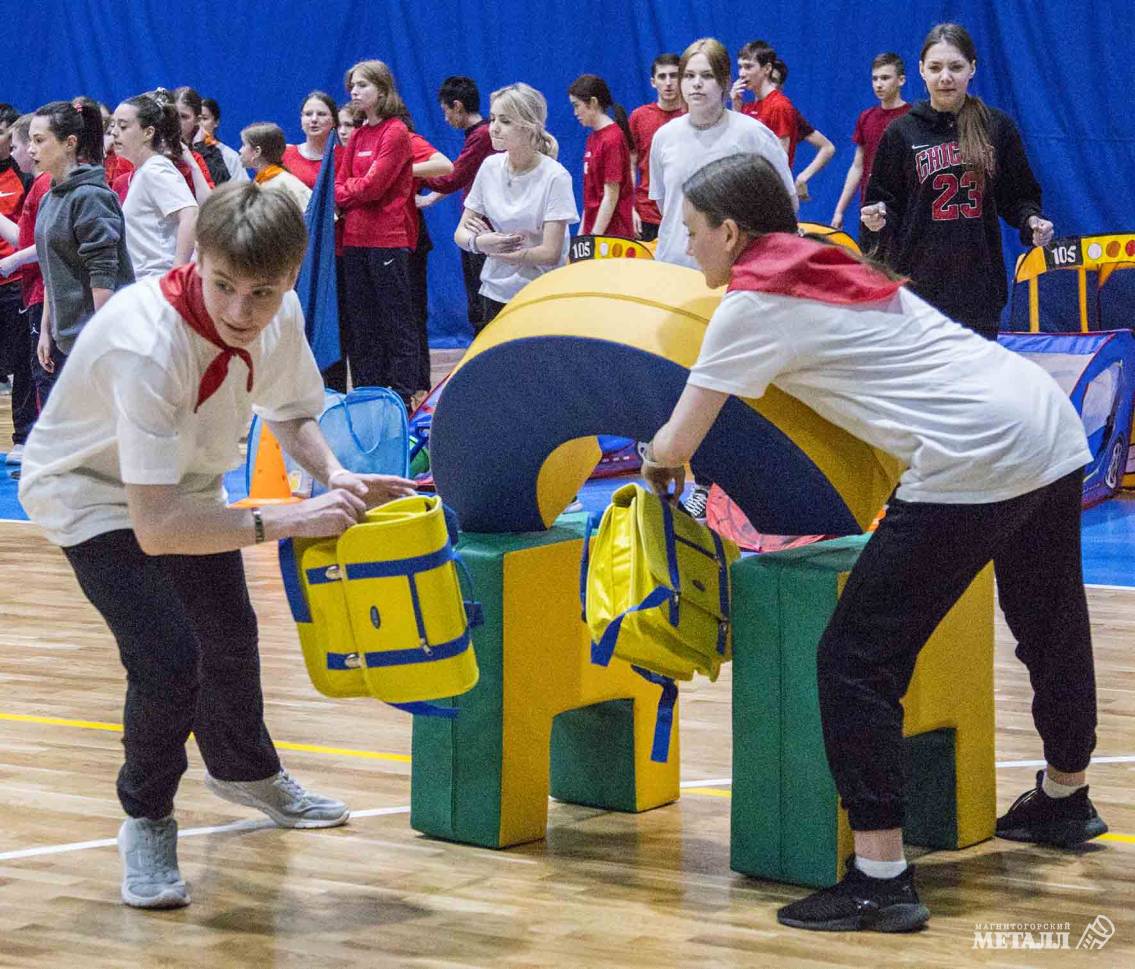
(791, 266)
(183, 288)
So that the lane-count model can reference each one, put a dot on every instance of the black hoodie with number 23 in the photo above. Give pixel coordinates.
(942, 221)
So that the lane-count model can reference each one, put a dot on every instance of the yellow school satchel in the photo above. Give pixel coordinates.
(657, 588)
(380, 610)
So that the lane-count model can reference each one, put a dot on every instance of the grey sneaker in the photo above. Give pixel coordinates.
(284, 800)
(150, 878)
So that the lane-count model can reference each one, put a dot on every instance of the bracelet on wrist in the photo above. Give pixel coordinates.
(473, 244)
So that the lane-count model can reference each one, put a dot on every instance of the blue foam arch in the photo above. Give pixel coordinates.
(512, 405)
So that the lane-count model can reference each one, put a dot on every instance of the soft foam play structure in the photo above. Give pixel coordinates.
(608, 247)
(1097, 371)
(542, 719)
(604, 347)
(830, 234)
(1075, 285)
(787, 824)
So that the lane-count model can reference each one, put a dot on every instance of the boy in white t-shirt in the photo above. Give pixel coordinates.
(995, 454)
(124, 471)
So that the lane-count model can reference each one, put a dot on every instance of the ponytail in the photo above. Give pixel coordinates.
(973, 139)
(81, 119)
(162, 117)
(529, 108)
(588, 86)
(620, 115)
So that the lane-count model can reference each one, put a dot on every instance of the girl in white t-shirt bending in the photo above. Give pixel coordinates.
(160, 211)
(521, 202)
(994, 453)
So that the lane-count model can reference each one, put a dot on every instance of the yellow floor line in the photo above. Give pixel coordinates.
(707, 791)
(280, 745)
(374, 755)
(61, 722)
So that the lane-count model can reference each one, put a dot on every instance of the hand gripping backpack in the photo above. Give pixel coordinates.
(380, 610)
(656, 590)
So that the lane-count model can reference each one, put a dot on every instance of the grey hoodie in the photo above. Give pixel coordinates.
(80, 239)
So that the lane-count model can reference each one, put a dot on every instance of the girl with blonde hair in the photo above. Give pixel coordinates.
(521, 202)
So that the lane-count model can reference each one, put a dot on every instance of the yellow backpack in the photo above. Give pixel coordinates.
(658, 589)
(380, 610)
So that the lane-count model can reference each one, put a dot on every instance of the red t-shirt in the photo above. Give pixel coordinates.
(114, 165)
(644, 122)
(373, 186)
(420, 151)
(868, 133)
(607, 158)
(11, 198)
(306, 170)
(777, 113)
(31, 281)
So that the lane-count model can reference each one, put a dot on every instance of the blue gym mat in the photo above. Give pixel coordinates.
(1109, 528)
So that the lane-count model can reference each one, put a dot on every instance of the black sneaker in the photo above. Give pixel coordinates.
(1061, 821)
(696, 504)
(860, 902)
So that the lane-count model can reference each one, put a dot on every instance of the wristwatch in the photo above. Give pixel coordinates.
(257, 525)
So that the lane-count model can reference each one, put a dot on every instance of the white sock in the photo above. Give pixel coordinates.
(1054, 789)
(880, 869)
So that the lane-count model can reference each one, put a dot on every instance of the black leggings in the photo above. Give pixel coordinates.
(914, 568)
(187, 636)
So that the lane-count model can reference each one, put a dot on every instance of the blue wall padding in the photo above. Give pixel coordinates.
(1063, 71)
(509, 407)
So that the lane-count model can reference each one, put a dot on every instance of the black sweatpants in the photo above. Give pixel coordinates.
(187, 636)
(418, 266)
(382, 336)
(471, 265)
(17, 360)
(915, 567)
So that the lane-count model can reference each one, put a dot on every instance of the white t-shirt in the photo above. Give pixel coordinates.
(679, 149)
(157, 193)
(521, 203)
(286, 182)
(974, 422)
(122, 412)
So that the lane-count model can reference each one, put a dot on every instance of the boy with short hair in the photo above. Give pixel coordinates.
(888, 75)
(461, 104)
(645, 120)
(825, 150)
(124, 471)
(755, 64)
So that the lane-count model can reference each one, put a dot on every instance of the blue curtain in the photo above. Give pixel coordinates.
(1064, 71)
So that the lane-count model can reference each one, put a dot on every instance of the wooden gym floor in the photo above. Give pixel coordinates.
(603, 890)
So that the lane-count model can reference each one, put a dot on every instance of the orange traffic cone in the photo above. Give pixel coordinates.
(270, 485)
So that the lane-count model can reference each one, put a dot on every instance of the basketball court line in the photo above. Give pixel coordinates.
(405, 758)
(248, 824)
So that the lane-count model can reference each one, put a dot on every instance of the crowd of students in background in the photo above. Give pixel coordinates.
(117, 193)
